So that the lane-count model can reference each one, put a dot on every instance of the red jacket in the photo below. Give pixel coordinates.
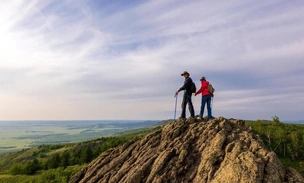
(203, 89)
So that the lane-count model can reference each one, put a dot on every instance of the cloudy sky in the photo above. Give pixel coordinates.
(118, 59)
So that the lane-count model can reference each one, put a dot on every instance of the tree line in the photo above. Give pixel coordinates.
(79, 155)
(286, 140)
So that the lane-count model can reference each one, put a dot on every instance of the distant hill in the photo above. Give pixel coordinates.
(219, 150)
(164, 122)
(295, 122)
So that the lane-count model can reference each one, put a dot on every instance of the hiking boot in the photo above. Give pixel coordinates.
(181, 118)
(191, 119)
(211, 118)
(205, 119)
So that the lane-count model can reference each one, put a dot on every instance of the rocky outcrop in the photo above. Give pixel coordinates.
(219, 150)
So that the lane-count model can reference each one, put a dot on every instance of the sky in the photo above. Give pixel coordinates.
(117, 59)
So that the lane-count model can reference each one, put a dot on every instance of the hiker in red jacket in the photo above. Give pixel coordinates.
(206, 98)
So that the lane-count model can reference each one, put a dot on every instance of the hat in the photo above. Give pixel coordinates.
(185, 72)
(203, 78)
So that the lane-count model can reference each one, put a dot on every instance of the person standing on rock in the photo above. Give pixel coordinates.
(206, 98)
(187, 87)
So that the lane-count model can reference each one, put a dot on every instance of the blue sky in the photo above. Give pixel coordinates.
(123, 59)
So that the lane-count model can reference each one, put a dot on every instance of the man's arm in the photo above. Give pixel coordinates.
(186, 85)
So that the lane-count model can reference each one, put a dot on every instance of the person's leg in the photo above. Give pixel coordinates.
(190, 105)
(202, 107)
(208, 99)
(184, 103)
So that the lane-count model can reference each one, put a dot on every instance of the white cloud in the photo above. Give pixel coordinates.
(75, 57)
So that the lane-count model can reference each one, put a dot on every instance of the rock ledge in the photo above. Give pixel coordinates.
(186, 150)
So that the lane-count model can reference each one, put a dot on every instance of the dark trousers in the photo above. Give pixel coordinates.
(187, 100)
(206, 99)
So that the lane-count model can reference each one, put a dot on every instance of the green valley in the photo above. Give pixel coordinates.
(58, 162)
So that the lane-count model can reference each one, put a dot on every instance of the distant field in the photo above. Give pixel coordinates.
(17, 135)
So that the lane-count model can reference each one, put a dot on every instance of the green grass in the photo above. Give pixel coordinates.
(297, 165)
(58, 175)
(16, 178)
(60, 150)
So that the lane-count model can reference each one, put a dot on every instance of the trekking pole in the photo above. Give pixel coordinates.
(175, 106)
(211, 102)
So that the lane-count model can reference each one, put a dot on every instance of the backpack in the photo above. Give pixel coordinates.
(192, 87)
(211, 89)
